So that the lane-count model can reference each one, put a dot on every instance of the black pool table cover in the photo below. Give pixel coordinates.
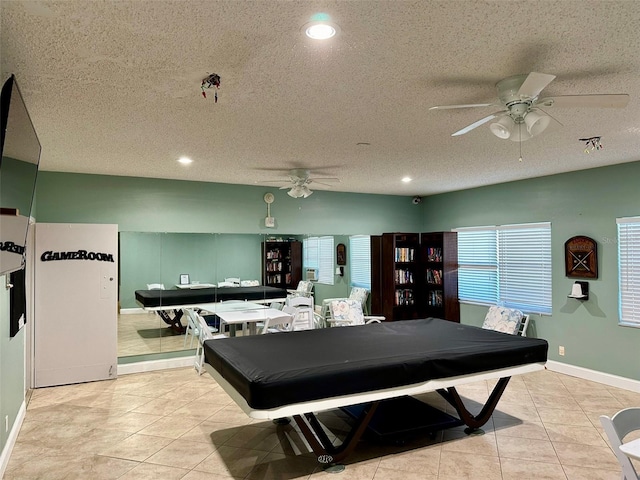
(169, 298)
(274, 370)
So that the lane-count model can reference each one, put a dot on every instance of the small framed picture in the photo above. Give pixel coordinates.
(341, 254)
(184, 279)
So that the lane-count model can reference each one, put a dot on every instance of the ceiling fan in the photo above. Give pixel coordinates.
(522, 116)
(299, 180)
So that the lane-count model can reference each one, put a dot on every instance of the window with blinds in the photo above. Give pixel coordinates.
(629, 271)
(506, 265)
(318, 253)
(360, 261)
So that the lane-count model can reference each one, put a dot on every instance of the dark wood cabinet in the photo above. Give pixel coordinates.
(439, 276)
(415, 276)
(282, 264)
(395, 269)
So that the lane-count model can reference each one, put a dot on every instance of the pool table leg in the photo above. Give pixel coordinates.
(474, 422)
(326, 452)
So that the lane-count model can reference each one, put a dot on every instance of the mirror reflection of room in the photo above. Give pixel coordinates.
(171, 263)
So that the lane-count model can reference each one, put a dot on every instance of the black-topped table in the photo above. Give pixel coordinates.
(299, 373)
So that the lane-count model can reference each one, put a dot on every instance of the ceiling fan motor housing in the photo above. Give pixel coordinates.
(508, 94)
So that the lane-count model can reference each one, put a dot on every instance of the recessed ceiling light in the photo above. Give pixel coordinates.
(319, 31)
(185, 160)
(406, 179)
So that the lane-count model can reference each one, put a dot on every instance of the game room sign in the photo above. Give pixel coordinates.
(76, 255)
(11, 247)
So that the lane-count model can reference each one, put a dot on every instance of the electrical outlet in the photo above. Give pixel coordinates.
(561, 351)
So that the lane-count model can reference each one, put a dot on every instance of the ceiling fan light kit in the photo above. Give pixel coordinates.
(299, 191)
(502, 128)
(518, 96)
(536, 123)
(299, 181)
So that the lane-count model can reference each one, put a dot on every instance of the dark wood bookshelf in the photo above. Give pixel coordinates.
(395, 269)
(282, 264)
(439, 276)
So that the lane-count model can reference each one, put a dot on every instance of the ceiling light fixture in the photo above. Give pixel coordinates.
(535, 123)
(320, 27)
(185, 160)
(406, 179)
(299, 191)
(320, 31)
(502, 128)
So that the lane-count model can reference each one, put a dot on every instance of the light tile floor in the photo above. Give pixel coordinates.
(144, 333)
(175, 424)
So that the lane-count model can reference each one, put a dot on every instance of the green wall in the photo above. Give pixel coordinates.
(146, 209)
(153, 205)
(578, 203)
(12, 367)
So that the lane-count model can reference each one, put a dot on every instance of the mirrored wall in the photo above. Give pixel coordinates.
(177, 262)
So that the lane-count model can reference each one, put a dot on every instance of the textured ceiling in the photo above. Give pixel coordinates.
(113, 87)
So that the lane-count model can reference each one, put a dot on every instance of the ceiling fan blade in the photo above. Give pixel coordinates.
(534, 84)
(321, 183)
(333, 179)
(590, 101)
(482, 121)
(279, 180)
(471, 105)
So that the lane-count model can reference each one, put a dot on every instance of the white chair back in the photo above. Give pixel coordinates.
(503, 319)
(345, 312)
(304, 289)
(618, 427)
(302, 310)
(205, 333)
(360, 294)
(191, 330)
(280, 323)
(155, 286)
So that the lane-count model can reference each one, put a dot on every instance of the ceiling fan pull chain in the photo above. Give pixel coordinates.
(520, 140)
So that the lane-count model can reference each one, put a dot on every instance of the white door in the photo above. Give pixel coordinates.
(76, 305)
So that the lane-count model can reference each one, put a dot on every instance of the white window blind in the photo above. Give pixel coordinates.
(506, 265)
(629, 270)
(318, 253)
(326, 260)
(524, 267)
(478, 265)
(360, 261)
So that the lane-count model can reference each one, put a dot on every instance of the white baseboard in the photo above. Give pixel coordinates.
(153, 365)
(594, 376)
(132, 311)
(11, 439)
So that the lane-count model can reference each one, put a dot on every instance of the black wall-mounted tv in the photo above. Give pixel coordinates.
(20, 150)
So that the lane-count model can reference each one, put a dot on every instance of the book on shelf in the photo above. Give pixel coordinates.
(434, 254)
(273, 255)
(404, 297)
(404, 254)
(434, 298)
(434, 276)
(403, 276)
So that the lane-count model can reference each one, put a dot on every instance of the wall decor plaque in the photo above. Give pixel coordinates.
(581, 257)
